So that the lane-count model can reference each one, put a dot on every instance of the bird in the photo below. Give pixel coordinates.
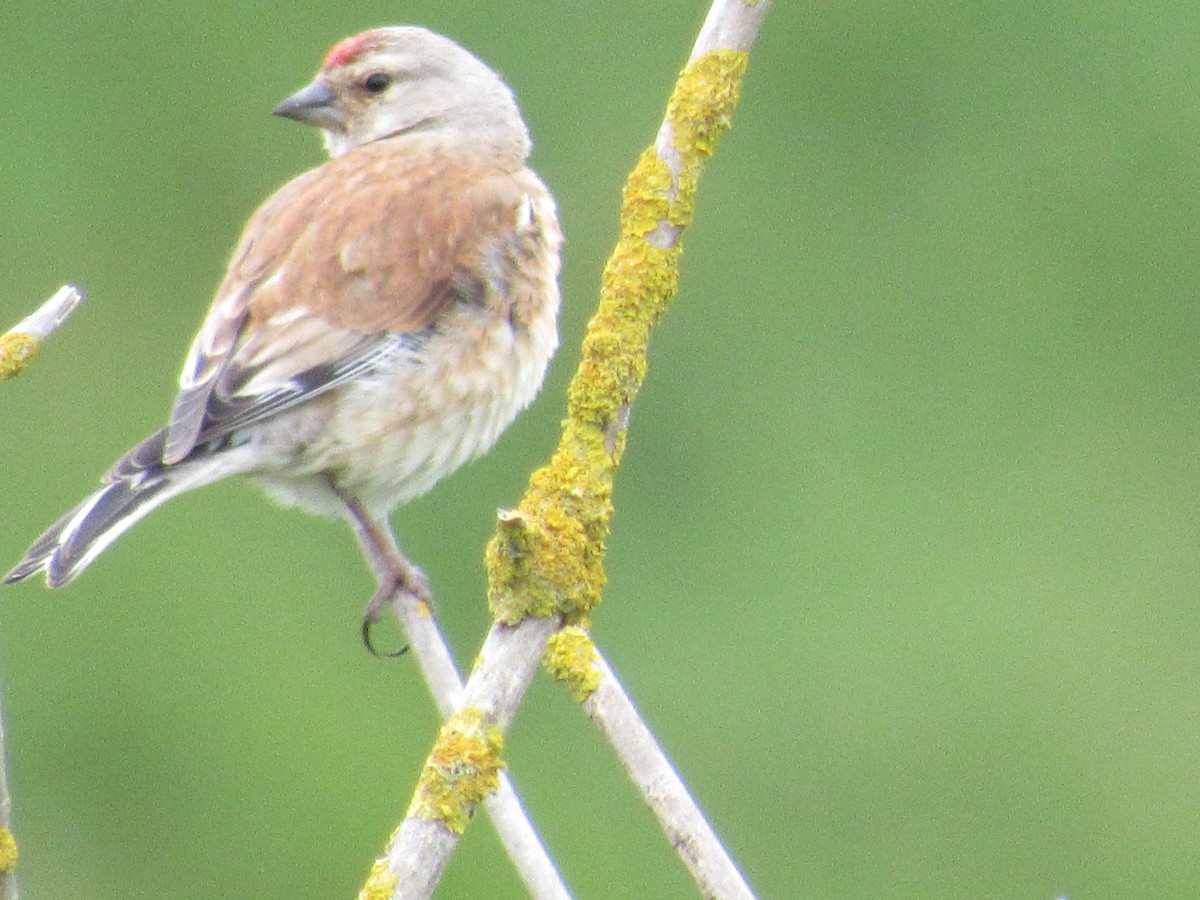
(384, 317)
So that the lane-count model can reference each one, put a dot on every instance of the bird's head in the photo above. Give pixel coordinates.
(407, 81)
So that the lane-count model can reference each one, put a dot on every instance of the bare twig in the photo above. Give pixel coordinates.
(684, 824)
(573, 659)
(18, 346)
(545, 564)
(8, 842)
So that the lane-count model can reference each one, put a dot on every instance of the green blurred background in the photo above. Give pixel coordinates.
(904, 568)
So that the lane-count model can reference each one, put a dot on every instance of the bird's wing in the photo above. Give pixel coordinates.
(343, 267)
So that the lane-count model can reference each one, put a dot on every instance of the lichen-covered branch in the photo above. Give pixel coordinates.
(546, 561)
(548, 554)
(417, 852)
(517, 833)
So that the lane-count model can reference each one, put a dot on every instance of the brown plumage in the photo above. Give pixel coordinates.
(383, 318)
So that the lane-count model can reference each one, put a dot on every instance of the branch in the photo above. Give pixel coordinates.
(697, 113)
(18, 346)
(436, 662)
(574, 659)
(463, 768)
(8, 841)
(546, 560)
(516, 832)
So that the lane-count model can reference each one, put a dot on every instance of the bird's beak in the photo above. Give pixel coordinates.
(314, 105)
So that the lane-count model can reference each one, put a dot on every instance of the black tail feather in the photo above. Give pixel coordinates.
(137, 484)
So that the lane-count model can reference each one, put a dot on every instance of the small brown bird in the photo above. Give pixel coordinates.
(384, 318)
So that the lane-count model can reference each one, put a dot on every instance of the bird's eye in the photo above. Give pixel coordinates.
(377, 82)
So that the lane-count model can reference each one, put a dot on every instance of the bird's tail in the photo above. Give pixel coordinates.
(136, 485)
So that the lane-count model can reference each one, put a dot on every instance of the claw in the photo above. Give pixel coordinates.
(370, 645)
(387, 587)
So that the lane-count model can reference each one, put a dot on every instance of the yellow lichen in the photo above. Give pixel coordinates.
(380, 884)
(700, 111)
(463, 768)
(547, 556)
(646, 197)
(701, 107)
(17, 351)
(571, 658)
(542, 563)
(8, 850)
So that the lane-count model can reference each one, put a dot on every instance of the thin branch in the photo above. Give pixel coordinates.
(688, 134)
(696, 115)
(19, 345)
(573, 659)
(545, 564)
(8, 841)
(682, 821)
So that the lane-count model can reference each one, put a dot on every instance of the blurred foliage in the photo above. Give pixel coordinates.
(904, 569)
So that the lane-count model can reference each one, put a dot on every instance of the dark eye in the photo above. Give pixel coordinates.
(377, 82)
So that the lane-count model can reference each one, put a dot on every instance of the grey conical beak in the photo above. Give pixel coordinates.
(314, 105)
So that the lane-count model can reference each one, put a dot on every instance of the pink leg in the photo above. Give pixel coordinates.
(393, 571)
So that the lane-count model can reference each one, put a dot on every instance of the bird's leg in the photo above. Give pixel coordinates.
(394, 573)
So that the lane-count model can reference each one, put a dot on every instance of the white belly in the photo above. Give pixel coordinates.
(391, 437)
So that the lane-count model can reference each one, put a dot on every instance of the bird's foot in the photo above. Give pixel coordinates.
(403, 578)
